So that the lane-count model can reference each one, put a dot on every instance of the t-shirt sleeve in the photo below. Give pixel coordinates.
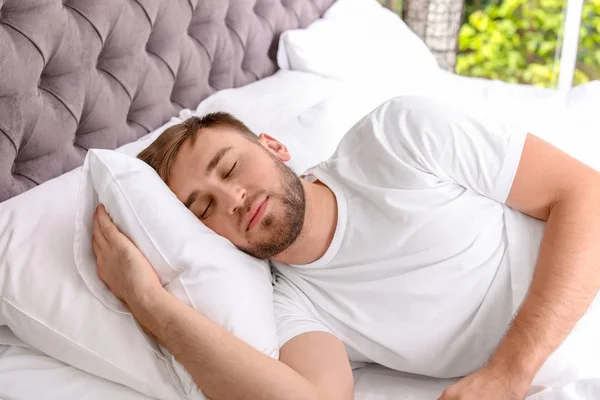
(294, 312)
(477, 154)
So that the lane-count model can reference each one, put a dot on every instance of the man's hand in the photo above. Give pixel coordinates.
(120, 264)
(488, 383)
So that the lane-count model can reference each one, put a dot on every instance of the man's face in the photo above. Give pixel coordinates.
(241, 189)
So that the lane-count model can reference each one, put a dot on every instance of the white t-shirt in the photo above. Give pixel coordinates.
(427, 266)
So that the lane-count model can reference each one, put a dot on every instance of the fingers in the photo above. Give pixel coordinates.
(96, 248)
(446, 395)
(104, 224)
(98, 235)
(451, 393)
(99, 242)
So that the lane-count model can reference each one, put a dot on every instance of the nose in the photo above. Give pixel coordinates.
(235, 196)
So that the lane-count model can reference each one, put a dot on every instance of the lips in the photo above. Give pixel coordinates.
(256, 212)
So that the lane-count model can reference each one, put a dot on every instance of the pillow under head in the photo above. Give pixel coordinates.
(199, 267)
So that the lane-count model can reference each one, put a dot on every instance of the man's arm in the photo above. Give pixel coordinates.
(313, 365)
(552, 186)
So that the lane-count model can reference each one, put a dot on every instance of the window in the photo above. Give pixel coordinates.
(548, 43)
(516, 41)
(394, 5)
(587, 63)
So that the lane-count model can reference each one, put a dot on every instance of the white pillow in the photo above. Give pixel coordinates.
(268, 102)
(313, 136)
(362, 42)
(46, 304)
(199, 267)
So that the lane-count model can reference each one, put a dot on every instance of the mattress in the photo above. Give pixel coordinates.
(290, 95)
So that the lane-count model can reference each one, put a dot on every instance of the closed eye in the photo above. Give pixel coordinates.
(206, 212)
(231, 170)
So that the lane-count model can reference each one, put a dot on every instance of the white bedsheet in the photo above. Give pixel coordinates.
(27, 374)
(378, 383)
(564, 118)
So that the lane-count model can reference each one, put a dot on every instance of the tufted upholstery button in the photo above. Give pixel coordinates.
(147, 46)
(100, 88)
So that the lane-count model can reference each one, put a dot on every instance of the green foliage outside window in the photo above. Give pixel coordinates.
(394, 5)
(516, 41)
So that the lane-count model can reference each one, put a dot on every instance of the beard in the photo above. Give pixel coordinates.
(282, 230)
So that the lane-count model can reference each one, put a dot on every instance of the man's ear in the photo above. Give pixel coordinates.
(274, 146)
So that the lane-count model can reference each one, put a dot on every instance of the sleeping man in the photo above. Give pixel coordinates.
(430, 242)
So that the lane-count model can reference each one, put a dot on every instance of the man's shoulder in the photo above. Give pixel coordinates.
(398, 118)
(411, 103)
(402, 127)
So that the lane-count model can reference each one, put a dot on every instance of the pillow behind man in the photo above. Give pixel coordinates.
(363, 43)
(196, 265)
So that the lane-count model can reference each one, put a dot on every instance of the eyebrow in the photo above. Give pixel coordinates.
(191, 198)
(216, 158)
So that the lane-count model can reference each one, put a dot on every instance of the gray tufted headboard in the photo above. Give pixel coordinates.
(80, 74)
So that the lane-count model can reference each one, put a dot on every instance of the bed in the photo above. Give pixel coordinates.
(78, 75)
